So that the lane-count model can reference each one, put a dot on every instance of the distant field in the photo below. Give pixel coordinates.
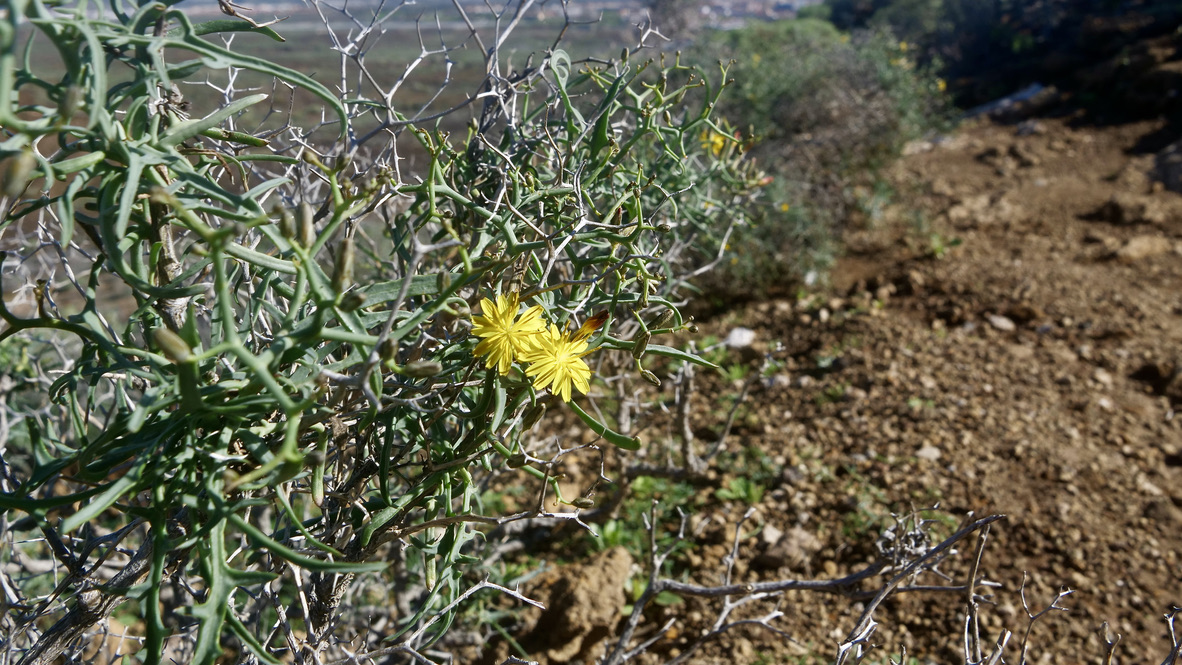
(309, 49)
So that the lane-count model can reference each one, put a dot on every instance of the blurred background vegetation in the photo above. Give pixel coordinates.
(824, 101)
(828, 100)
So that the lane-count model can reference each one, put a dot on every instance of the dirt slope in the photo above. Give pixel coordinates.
(1021, 355)
(1018, 353)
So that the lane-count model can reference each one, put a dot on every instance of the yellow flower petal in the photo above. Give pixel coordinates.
(505, 337)
(556, 362)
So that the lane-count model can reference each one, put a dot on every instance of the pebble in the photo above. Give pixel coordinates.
(740, 337)
(1102, 376)
(1143, 247)
(928, 452)
(1002, 323)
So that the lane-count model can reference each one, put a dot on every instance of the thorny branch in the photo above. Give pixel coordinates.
(735, 595)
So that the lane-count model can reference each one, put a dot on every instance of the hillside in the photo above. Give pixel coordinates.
(1017, 356)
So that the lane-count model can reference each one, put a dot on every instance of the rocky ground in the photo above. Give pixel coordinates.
(1008, 339)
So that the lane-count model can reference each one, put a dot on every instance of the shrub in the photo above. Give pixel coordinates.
(990, 48)
(278, 371)
(827, 113)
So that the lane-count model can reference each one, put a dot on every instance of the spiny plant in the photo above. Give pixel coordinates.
(257, 389)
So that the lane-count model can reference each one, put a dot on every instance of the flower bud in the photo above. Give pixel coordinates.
(352, 301)
(286, 222)
(71, 101)
(174, 348)
(650, 377)
(583, 502)
(342, 274)
(162, 196)
(640, 344)
(515, 461)
(314, 457)
(322, 385)
(313, 159)
(387, 350)
(664, 227)
(663, 321)
(533, 415)
(460, 309)
(421, 369)
(20, 170)
(306, 225)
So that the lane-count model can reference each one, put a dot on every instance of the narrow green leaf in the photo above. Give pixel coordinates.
(20, 501)
(613, 437)
(75, 164)
(420, 285)
(320, 565)
(110, 495)
(228, 25)
(235, 137)
(187, 130)
(660, 350)
(250, 640)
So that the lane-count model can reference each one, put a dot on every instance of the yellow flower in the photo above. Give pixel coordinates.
(713, 141)
(941, 85)
(556, 361)
(784, 207)
(505, 337)
(756, 58)
(903, 46)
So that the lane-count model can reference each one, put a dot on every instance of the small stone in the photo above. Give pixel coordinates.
(1164, 513)
(1025, 313)
(1148, 487)
(928, 452)
(1126, 208)
(830, 568)
(794, 549)
(1002, 323)
(916, 279)
(1143, 247)
(1023, 156)
(1102, 376)
(740, 337)
(1031, 127)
